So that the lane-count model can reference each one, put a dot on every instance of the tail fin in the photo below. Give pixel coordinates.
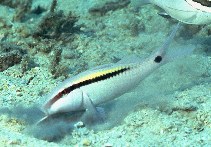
(161, 52)
(176, 52)
(166, 44)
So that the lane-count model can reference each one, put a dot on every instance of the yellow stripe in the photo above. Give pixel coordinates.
(97, 74)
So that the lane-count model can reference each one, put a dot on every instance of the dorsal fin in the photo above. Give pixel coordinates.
(130, 59)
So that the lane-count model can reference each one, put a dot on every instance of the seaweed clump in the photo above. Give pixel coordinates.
(10, 55)
(56, 25)
(22, 10)
(10, 3)
(109, 6)
(56, 68)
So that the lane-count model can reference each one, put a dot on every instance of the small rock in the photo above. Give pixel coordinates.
(79, 124)
(119, 135)
(19, 93)
(86, 142)
(108, 145)
(85, 132)
(14, 142)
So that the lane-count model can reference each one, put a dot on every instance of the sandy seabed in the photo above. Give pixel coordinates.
(171, 107)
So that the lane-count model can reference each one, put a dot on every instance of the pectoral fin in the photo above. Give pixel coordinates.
(42, 120)
(93, 114)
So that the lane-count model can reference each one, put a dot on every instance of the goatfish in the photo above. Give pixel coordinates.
(187, 11)
(104, 83)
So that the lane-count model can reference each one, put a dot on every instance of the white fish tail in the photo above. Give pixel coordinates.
(177, 52)
(160, 54)
(166, 44)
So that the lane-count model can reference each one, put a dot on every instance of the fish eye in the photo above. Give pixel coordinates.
(158, 59)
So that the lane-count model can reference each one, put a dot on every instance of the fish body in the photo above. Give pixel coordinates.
(101, 84)
(187, 11)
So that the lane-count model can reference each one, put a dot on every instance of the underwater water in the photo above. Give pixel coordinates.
(42, 43)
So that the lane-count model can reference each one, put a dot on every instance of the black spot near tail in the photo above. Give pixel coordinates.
(158, 59)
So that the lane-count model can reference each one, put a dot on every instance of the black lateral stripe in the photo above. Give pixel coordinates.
(203, 2)
(87, 82)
